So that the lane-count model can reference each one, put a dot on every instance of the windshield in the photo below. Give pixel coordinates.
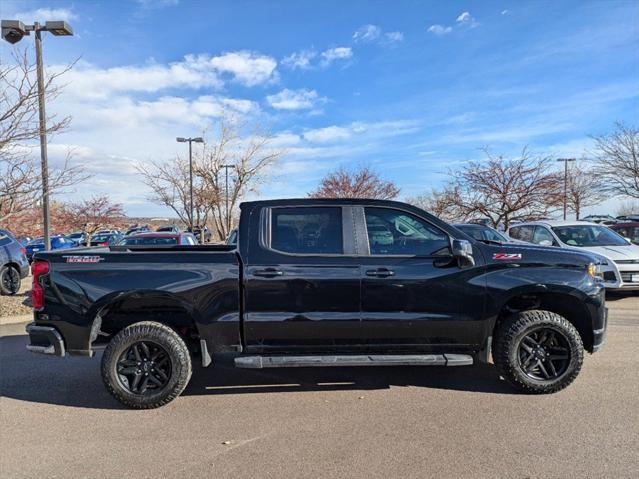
(483, 233)
(142, 240)
(588, 235)
(37, 241)
(101, 238)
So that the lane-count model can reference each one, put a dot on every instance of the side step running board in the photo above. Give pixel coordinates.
(259, 362)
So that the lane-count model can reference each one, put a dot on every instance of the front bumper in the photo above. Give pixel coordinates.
(45, 340)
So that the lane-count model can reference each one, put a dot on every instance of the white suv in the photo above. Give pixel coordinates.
(621, 268)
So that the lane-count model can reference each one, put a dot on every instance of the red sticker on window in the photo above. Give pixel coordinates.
(507, 256)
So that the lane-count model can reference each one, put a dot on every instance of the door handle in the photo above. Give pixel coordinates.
(380, 272)
(267, 272)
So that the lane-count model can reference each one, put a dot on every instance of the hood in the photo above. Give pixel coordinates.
(630, 251)
(534, 253)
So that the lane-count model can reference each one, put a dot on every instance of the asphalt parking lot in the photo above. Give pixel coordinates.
(58, 421)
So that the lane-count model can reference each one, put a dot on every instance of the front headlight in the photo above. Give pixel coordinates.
(595, 271)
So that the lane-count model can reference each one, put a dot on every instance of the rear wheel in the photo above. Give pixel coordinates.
(538, 351)
(9, 280)
(146, 365)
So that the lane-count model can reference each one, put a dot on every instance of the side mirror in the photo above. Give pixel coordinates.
(463, 252)
(628, 240)
(545, 243)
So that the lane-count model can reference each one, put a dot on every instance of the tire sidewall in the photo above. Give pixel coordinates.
(575, 355)
(506, 355)
(169, 341)
(5, 270)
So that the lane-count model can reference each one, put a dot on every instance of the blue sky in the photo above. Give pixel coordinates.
(410, 88)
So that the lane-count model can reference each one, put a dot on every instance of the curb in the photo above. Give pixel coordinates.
(22, 318)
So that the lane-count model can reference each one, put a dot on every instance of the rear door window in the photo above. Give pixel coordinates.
(307, 230)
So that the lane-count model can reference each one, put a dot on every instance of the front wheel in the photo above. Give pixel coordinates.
(538, 351)
(146, 365)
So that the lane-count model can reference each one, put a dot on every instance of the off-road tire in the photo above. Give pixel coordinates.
(5, 271)
(510, 334)
(175, 349)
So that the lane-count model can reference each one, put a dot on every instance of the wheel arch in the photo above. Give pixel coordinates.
(568, 303)
(119, 310)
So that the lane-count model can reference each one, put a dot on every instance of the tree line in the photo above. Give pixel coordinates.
(524, 188)
(501, 189)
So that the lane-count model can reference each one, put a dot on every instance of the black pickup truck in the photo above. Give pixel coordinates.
(320, 283)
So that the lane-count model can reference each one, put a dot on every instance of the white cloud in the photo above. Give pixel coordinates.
(505, 12)
(466, 19)
(328, 134)
(440, 29)
(194, 72)
(294, 99)
(376, 130)
(247, 67)
(374, 34)
(45, 14)
(333, 54)
(367, 33)
(301, 60)
(156, 4)
(394, 37)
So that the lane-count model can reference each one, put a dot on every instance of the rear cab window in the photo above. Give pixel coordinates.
(307, 230)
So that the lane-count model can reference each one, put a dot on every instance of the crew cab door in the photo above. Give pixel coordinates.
(414, 294)
(301, 280)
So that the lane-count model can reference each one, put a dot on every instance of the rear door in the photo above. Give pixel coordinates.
(414, 295)
(301, 280)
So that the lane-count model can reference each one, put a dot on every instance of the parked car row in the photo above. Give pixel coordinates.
(619, 256)
(14, 265)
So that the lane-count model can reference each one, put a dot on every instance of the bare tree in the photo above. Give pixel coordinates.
(360, 183)
(439, 202)
(95, 213)
(502, 190)
(583, 189)
(20, 175)
(617, 157)
(627, 208)
(251, 157)
(170, 186)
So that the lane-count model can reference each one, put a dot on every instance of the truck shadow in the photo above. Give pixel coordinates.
(76, 381)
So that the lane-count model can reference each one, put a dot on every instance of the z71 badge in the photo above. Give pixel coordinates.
(83, 259)
(507, 256)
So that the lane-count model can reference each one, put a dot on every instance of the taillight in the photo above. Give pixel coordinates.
(103, 244)
(38, 269)
(23, 251)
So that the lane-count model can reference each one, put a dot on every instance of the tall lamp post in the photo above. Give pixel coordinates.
(226, 194)
(565, 160)
(190, 140)
(13, 31)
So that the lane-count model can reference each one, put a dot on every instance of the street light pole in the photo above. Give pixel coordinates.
(190, 140)
(566, 160)
(13, 31)
(43, 138)
(226, 191)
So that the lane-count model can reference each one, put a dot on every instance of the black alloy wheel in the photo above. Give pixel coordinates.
(544, 354)
(144, 368)
(10, 280)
